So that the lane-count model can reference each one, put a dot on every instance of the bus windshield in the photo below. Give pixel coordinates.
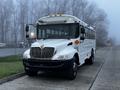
(58, 31)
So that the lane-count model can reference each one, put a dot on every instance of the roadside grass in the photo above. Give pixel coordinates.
(10, 65)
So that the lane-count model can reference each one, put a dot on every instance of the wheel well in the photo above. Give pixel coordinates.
(77, 58)
(92, 50)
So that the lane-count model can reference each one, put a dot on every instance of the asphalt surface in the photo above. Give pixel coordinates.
(109, 76)
(11, 51)
(104, 74)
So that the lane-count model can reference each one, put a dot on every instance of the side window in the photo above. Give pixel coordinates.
(90, 34)
(87, 33)
(93, 34)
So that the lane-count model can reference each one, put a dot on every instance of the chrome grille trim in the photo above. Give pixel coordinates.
(46, 52)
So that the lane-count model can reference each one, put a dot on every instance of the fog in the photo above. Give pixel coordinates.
(111, 7)
(14, 14)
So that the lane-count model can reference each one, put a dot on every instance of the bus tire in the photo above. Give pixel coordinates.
(90, 60)
(72, 72)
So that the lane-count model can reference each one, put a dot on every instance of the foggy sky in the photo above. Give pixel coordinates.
(112, 8)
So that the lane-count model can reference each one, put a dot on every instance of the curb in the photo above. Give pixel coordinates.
(12, 77)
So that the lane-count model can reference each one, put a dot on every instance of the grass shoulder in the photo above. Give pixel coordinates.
(10, 65)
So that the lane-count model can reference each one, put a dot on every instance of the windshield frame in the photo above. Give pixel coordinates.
(77, 30)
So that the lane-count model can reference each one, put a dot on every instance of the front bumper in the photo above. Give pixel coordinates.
(47, 65)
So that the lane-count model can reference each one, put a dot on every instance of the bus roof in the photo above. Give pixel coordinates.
(61, 18)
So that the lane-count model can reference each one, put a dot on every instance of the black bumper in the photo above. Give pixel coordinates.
(47, 65)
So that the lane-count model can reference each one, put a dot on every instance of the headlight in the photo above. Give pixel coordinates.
(26, 56)
(61, 57)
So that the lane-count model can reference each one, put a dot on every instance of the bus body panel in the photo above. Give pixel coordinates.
(63, 49)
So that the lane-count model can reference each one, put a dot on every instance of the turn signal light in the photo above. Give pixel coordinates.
(77, 42)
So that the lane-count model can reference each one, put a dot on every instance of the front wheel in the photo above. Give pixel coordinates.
(72, 73)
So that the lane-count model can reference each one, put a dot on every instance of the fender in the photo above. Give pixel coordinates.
(26, 54)
(69, 51)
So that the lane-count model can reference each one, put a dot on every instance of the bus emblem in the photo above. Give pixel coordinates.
(42, 46)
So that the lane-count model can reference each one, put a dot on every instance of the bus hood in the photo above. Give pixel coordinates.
(56, 43)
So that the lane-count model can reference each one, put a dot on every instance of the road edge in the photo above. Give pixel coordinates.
(11, 77)
(99, 70)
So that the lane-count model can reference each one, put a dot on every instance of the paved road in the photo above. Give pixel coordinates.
(11, 51)
(109, 76)
(104, 74)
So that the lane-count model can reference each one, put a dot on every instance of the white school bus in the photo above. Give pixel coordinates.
(61, 43)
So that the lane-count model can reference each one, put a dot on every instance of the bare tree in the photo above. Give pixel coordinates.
(93, 16)
(13, 17)
(5, 19)
(23, 4)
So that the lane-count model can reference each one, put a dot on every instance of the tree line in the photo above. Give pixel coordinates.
(14, 14)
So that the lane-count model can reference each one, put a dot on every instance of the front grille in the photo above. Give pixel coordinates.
(46, 52)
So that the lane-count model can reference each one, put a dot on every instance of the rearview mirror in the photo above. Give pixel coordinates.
(27, 28)
(27, 31)
(82, 30)
(82, 34)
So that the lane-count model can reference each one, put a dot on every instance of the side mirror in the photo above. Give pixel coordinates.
(27, 31)
(82, 36)
(82, 30)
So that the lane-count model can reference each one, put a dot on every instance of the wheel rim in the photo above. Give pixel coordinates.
(93, 58)
(74, 69)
